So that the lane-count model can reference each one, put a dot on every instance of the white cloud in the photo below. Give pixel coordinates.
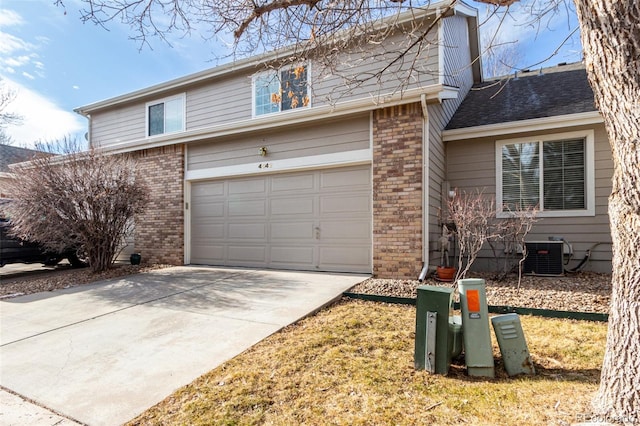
(17, 61)
(10, 43)
(42, 120)
(9, 18)
(27, 75)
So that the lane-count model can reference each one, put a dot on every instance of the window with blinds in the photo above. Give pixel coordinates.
(548, 174)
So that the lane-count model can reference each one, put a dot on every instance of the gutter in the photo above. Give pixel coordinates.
(521, 126)
(425, 188)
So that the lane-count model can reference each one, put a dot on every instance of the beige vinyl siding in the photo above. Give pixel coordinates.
(457, 73)
(455, 51)
(224, 101)
(471, 167)
(413, 72)
(118, 125)
(345, 134)
(228, 98)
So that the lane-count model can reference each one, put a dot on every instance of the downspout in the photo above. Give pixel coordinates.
(425, 188)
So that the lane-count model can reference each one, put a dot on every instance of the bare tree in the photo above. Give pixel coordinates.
(611, 43)
(82, 200)
(512, 233)
(500, 57)
(7, 96)
(473, 214)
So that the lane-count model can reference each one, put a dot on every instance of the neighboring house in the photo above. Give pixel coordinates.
(11, 155)
(242, 177)
(536, 139)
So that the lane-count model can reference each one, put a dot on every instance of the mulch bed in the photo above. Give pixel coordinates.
(581, 292)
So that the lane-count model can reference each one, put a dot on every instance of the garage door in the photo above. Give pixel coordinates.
(317, 220)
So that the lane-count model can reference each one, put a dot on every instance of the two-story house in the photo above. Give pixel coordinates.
(260, 166)
(242, 179)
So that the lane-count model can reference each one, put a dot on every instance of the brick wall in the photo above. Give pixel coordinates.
(159, 235)
(397, 191)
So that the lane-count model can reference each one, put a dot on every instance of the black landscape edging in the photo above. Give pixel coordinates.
(546, 313)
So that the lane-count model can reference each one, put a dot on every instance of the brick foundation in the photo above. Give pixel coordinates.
(159, 235)
(397, 191)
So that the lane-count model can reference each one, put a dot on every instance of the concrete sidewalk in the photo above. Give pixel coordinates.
(103, 353)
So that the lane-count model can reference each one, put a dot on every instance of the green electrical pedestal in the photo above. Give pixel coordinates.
(437, 332)
(478, 352)
(513, 344)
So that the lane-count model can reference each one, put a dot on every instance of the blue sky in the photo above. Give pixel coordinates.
(56, 63)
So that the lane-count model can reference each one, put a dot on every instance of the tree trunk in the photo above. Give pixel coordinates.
(611, 39)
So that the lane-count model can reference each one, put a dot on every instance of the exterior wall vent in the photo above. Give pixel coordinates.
(544, 258)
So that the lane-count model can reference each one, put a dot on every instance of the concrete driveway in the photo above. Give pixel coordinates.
(102, 353)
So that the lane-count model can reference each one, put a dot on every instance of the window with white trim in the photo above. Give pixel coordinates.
(281, 90)
(165, 116)
(553, 173)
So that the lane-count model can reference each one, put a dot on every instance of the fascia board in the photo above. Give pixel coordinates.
(523, 126)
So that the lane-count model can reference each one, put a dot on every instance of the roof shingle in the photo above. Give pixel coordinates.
(12, 154)
(555, 91)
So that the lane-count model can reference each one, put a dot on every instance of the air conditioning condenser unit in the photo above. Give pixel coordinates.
(544, 258)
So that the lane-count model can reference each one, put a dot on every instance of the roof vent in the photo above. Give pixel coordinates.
(562, 64)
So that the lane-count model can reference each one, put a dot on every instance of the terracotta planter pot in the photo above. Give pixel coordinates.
(445, 273)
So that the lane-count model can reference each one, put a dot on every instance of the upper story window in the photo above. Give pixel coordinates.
(281, 90)
(165, 116)
(554, 173)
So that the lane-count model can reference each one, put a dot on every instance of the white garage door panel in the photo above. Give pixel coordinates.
(292, 206)
(247, 186)
(209, 210)
(298, 183)
(247, 254)
(345, 179)
(248, 231)
(247, 208)
(212, 189)
(292, 231)
(209, 232)
(201, 254)
(312, 220)
(345, 204)
(300, 256)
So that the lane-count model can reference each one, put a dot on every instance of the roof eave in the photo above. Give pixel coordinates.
(433, 94)
(523, 126)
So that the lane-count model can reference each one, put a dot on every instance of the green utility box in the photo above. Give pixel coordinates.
(478, 353)
(513, 345)
(438, 333)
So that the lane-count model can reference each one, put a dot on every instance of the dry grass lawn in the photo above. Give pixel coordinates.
(352, 364)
